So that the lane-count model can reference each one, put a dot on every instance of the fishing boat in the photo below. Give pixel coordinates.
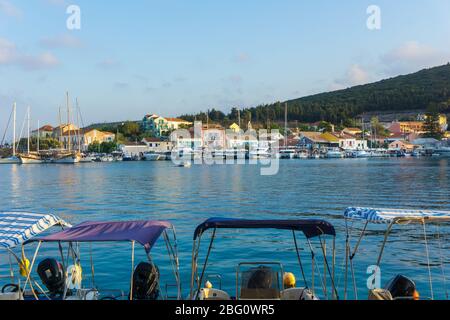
(372, 220)
(264, 280)
(63, 280)
(15, 229)
(13, 159)
(359, 154)
(302, 154)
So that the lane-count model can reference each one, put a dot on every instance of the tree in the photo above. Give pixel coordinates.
(131, 130)
(431, 125)
(325, 126)
(94, 147)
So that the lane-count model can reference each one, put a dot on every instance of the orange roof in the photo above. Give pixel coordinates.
(176, 120)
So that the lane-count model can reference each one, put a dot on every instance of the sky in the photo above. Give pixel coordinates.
(170, 57)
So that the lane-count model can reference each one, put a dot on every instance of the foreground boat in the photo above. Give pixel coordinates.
(400, 287)
(66, 283)
(262, 280)
(15, 229)
(10, 160)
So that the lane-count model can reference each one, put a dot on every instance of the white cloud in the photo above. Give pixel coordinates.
(10, 55)
(355, 76)
(412, 56)
(61, 41)
(7, 8)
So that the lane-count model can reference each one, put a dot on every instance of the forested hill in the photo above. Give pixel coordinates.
(408, 92)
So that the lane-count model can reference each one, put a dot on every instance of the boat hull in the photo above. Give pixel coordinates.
(11, 160)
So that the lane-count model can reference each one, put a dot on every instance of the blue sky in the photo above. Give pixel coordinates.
(176, 56)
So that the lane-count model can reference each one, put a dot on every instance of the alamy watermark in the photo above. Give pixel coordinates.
(374, 280)
(73, 22)
(374, 20)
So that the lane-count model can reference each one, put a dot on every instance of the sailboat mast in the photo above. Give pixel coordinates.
(79, 127)
(28, 140)
(38, 137)
(68, 120)
(239, 118)
(285, 124)
(14, 129)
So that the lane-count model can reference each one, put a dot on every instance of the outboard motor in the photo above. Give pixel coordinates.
(402, 287)
(146, 282)
(52, 276)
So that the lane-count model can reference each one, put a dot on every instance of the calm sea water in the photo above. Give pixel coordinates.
(186, 197)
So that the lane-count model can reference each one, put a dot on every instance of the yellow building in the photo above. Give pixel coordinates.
(84, 137)
(352, 131)
(235, 127)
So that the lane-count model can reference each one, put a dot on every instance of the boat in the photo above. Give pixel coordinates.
(65, 281)
(66, 157)
(30, 157)
(13, 159)
(302, 154)
(359, 154)
(10, 160)
(334, 153)
(286, 154)
(154, 156)
(263, 280)
(443, 151)
(401, 286)
(15, 229)
(260, 153)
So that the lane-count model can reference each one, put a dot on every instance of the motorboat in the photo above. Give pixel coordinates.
(287, 153)
(260, 153)
(361, 222)
(334, 153)
(10, 160)
(64, 279)
(15, 229)
(359, 154)
(251, 276)
(154, 156)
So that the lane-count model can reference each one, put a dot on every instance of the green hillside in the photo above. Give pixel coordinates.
(408, 92)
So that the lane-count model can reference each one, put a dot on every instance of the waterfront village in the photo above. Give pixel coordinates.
(157, 138)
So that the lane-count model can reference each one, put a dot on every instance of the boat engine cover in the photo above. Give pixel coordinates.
(401, 287)
(52, 275)
(146, 282)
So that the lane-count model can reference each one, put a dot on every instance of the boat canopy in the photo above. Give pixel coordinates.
(18, 227)
(144, 232)
(311, 228)
(395, 215)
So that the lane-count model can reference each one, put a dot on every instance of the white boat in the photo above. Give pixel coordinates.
(443, 151)
(67, 158)
(31, 158)
(10, 160)
(360, 154)
(286, 154)
(154, 156)
(302, 155)
(334, 153)
(260, 153)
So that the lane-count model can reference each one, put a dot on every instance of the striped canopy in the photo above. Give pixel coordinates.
(395, 215)
(18, 227)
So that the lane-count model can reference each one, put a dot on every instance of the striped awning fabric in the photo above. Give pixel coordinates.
(396, 215)
(18, 227)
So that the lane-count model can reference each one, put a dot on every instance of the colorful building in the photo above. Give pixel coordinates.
(161, 126)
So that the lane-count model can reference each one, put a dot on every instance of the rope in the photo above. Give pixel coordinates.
(442, 261)
(428, 260)
(299, 259)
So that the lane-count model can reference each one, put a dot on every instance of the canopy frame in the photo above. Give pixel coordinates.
(404, 217)
(172, 250)
(293, 226)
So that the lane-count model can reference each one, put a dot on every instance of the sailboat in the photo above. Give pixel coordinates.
(13, 159)
(30, 157)
(68, 156)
